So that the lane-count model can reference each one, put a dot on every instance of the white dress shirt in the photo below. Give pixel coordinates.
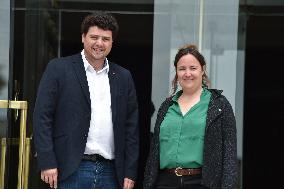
(100, 137)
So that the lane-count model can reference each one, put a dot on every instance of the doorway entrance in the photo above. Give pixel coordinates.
(264, 91)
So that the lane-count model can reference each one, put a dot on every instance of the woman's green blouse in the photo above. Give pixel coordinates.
(182, 136)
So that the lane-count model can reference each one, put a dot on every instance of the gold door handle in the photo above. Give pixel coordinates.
(16, 97)
(26, 160)
(4, 104)
(27, 163)
(24, 145)
(3, 160)
(16, 113)
(23, 106)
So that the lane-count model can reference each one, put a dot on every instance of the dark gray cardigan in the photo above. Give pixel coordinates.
(219, 169)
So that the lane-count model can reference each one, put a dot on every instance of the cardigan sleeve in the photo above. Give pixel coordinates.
(229, 176)
(153, 161)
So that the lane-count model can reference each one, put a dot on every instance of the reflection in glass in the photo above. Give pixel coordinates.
(4, 60)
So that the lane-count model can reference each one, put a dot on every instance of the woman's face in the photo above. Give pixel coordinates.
(189, 72)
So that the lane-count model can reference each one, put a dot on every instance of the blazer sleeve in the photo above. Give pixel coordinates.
(229, 178)
(43, 118)
(132, 132)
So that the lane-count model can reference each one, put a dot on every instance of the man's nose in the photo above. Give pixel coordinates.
(99, 41)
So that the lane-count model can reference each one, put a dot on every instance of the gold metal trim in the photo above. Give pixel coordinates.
(4, 104)
(22, 148)
(3, 162)
(24, 145)
(15, 141)
(22, 105)
(27, 163)
(12, 141)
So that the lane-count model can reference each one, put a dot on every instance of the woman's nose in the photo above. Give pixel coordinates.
(187, 73)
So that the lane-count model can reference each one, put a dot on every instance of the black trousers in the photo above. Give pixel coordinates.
(171, 181)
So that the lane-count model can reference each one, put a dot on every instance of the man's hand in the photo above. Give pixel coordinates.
(49, 176)
(128, 183)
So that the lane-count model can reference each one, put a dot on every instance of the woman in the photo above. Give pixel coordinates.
(194, 142)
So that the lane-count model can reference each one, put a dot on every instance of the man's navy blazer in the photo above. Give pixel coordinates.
(62, 116)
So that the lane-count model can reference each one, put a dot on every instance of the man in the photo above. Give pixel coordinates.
(86, 116)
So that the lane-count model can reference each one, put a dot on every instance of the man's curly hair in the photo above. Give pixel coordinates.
(102, 20)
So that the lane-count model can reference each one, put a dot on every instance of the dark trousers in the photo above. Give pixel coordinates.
(171, 181)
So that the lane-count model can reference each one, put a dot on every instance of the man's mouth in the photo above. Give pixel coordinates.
(98, 51)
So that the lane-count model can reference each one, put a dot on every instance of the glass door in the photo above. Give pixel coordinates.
(28, 39)
(34, 41)
(14, 144)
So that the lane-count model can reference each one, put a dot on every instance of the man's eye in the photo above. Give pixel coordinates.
(106, 39)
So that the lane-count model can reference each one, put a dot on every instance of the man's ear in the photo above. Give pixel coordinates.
(83, 37)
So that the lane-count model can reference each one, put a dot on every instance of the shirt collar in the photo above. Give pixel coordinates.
(178, 94)
(88, 66)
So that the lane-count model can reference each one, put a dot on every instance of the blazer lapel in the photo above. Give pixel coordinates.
(78, 66)
(113, 83)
